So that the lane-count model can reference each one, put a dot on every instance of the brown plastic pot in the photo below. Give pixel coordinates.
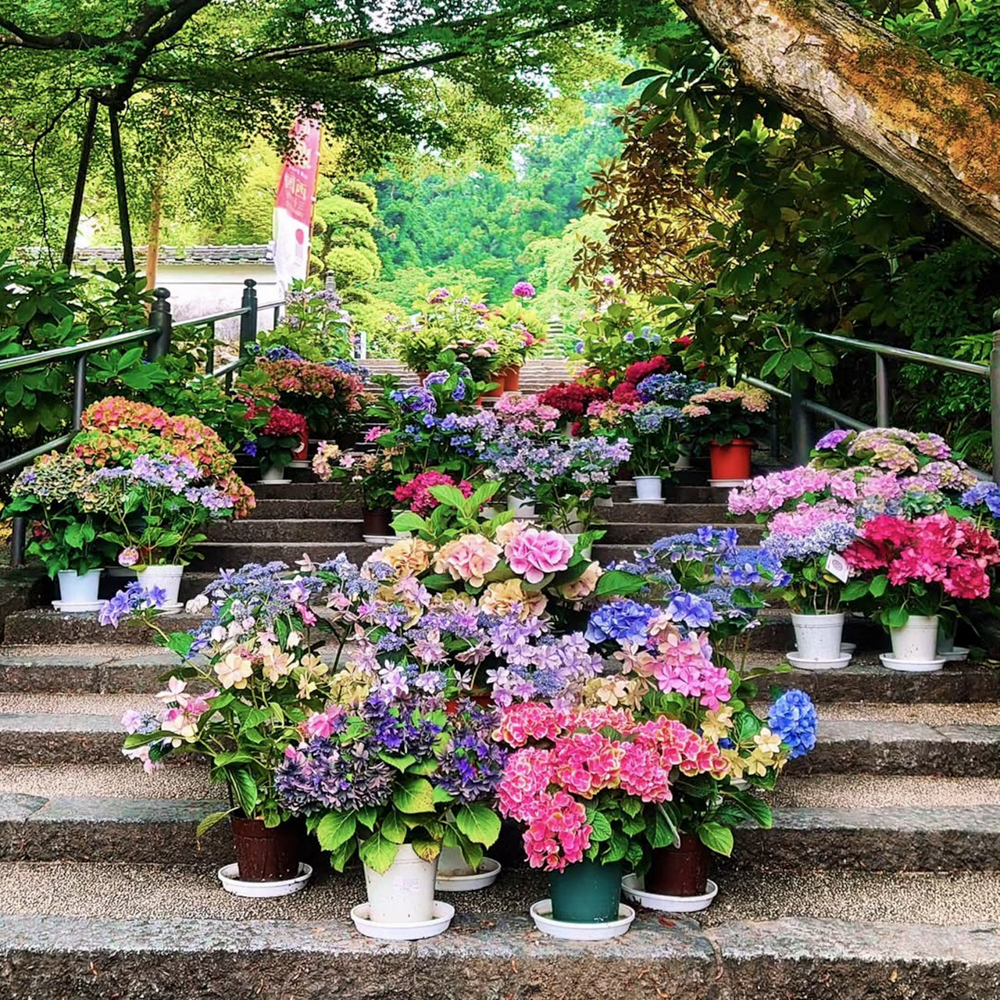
(680, 871)
(377, 522)
(266, 854)
(511, 378)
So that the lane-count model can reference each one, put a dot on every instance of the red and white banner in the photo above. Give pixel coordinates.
(294, 206)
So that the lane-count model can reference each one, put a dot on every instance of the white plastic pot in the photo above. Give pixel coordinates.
(945, 640)
(521, 506)
(818, 637)
(683, 458)
(77, 589)
(274, 474)
(573, 538)
(649, 487)
(404, 894)
(917, 640)
(167, 578)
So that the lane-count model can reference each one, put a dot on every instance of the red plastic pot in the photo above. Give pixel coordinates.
(680, 871)
(301, 454)
(731, 461)
(498, 378)
(266, 854)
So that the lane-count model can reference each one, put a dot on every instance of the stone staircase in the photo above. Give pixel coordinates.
(880, 879)
(536, 375)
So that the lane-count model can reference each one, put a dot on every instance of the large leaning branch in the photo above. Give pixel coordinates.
(934, 128)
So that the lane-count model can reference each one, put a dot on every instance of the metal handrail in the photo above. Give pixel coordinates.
(158, 335)
(919, 357)
(802, 408)
(73, 350)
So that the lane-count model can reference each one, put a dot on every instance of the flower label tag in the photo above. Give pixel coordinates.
(836, 565)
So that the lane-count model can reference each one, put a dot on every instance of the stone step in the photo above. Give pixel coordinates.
(78, 827)
(305, 531)
(97, 665)
(232, 555)
(276, 510)
(637, 534)
(951, 740)
(100, 930)
(47, 627)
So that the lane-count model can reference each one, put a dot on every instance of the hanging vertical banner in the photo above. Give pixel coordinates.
(294, 206)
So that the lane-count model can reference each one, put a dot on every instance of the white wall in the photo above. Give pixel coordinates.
(204, 289)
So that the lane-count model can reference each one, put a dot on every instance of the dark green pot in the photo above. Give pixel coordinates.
(586, 892)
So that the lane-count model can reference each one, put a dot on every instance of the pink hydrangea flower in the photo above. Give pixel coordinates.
(535, 554)
(469, 558)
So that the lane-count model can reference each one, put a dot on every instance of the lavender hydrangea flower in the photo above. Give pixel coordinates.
(832, 439)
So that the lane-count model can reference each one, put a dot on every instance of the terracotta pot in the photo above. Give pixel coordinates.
(422, 375)
(680, 871)
(512, 378)
(266, 854)
(499, 390)
(301, 454)
(731, 461)
(377, 522)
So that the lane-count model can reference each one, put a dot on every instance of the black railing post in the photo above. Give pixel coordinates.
(802, 438)
(79, 391)
(161, 321)
(18, 528)
(248, 321)
(995, 396)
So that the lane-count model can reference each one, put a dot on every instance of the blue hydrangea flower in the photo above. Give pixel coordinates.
(793, 720)
(620, 621)
(691, 610)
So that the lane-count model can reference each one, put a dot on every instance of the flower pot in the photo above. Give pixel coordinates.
(266, 854)
(404, 894)
(679, 871)
(498, 390)
(945, 636)
(624, 473)
(917, 640)
(301, 454)
(683, 458)
(523, 507)
(273, 474)
(730, 461)
(512, 378)
(586, 892)
(167, 578)
(818, 637)
(77, 589)
(376, 522)
(648, 487)
(421, 376)
(573, 538)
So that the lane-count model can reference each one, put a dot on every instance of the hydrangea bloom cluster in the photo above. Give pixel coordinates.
(566, 758)
(811, 531)
(792, 718)
(938, 549)
(416, 493)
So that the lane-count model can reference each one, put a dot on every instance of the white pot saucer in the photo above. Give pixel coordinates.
(379, 540)
(443, 914)
(273, 482)
(911, 666)
(171, 609)
(541, 913)
(300, 463)
(231, 882)
(468, 881)
(638, 500)
(848, 647)
(727, 484)
(957, 655)
(78, 609)
(633, 888)
(800, 663)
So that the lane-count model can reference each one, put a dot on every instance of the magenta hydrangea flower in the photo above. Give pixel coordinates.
(523, 290)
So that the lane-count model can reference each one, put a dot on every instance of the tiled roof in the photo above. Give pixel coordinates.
(251, 253)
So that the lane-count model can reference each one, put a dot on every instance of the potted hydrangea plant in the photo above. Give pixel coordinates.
(728, 420)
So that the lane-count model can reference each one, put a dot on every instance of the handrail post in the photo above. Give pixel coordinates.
(248, 321)
(802, 440)
(995, 396)
(79, 391)
(18, 530)
(882, 415)
(161, 321)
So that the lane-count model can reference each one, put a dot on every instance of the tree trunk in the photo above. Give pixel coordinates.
(934, 128)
